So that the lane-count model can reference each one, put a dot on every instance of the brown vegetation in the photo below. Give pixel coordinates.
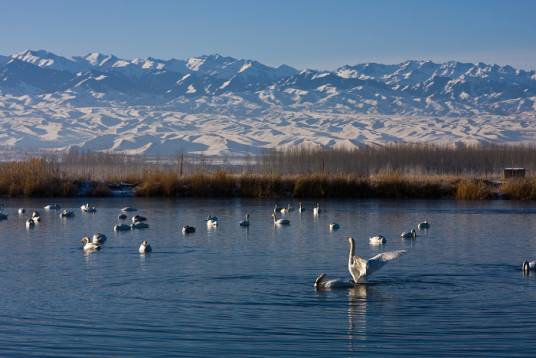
(394, 172)
(473, 189)
(519, 189)
(34, 177)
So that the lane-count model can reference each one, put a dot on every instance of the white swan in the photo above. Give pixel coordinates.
(66, 214)
(377, 240)
(245, 222)
(138, 218)
(52, 207)
(21, 211)
(98, 238)
(277, 209)
(301, 209)
(425, 225)
(187, 229)
(322, 282)
(35, 217)
(409, 235)
(280, 221)
(122, 227)
(139, 225)
(212, 221)
(89, 245)
(286, 210)
(528, 266)
(87, 208)
(360, 268)
(30, 223)
(334, 226)
(128, 209)
(316, 209)
(145, 248)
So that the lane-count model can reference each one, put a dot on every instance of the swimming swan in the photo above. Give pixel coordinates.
(425, 225)
(30, 223)
(66, 214)
(98, 238)
(122, 227)
(316, 209)
(212, 221)
(88, 209)
(286, 210)
(245, 222)
(52, 207)
(187, 229)
(301, 209)
(360, 268)
(528, 266)
(277, 209)
(89, 245)
(410, 235)
(139, 225)
(122, 216)
(322, 282)
(145, 248)
(334, 226)
(377, 240)
(138, 218)
(35, 217)
(129, 209)
(280, 221)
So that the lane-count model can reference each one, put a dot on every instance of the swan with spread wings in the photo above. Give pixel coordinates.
(358, 267)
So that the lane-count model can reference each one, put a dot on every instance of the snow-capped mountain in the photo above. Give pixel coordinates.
(150, 105)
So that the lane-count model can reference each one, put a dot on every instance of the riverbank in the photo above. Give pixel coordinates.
(39, 178)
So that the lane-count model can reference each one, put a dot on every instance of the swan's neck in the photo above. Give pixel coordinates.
(352, 251)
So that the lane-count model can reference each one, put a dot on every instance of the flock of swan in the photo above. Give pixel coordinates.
(358, 267)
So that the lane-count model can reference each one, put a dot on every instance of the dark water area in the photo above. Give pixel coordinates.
(234, 291)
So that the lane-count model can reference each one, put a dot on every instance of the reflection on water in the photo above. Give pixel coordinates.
(235, 291)
(357, 314)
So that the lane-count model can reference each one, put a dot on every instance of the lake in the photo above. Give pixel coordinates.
(234, 291)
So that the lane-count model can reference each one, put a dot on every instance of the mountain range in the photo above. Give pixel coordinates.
(217, 104)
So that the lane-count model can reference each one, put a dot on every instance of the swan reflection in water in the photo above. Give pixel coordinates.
(356, 297)
(357, 314)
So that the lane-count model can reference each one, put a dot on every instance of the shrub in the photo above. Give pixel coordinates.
(473, 189)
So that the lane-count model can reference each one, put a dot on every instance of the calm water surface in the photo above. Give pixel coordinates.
(236, 291)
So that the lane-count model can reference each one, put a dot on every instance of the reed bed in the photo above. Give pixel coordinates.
(34, 177)
(409, 171)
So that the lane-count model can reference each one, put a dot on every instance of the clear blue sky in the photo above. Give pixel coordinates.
(314, 34)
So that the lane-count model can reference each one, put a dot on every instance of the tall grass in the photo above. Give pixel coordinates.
(395, 172)
(519, 189)
(473, 189)
(34, 177)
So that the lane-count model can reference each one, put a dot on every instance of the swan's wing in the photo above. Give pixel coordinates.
(377, 262)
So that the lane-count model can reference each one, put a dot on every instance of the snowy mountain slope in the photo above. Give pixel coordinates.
(221, 105)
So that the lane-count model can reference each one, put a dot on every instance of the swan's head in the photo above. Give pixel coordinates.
(526, 267)
(350, 240)
(85, 240)
(144, 243)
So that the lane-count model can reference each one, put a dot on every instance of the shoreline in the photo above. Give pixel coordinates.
(317, 186)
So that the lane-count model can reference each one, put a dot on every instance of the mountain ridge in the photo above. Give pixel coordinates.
(144, 105)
